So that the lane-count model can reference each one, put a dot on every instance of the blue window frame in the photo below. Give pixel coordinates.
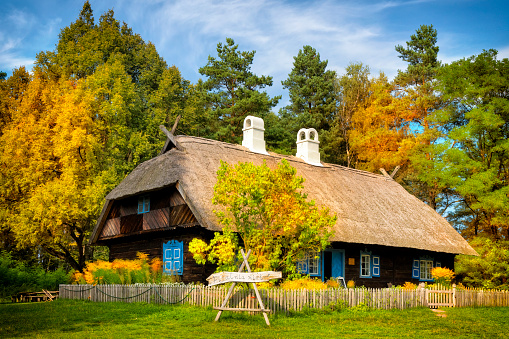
(173, 257)
(310, 264)
(369, 265)
(143, 204)
(421, 268)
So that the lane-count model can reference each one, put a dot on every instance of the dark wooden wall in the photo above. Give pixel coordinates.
(395, 263)
(152, 244)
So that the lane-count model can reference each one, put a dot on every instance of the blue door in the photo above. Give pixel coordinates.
(337, 264)
(333, 264)
(173, 257)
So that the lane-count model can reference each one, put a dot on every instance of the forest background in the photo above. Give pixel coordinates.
(89, 112)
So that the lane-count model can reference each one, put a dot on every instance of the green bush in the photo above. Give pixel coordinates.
(490, 269)
(16, 277)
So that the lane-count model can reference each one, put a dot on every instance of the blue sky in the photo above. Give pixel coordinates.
(186, 32)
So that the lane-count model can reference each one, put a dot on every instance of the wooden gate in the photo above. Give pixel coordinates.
(439, 295)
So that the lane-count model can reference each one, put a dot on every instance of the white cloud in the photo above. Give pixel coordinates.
(503, 53)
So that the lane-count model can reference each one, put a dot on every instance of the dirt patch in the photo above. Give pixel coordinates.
(439, 313)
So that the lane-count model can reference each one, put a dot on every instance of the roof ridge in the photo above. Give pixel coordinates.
(326, 165)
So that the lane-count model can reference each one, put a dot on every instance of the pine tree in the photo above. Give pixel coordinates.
(232, 91)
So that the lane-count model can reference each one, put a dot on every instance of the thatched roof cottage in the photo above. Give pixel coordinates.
(383, 234)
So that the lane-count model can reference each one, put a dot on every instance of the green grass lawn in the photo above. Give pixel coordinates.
(83, 319)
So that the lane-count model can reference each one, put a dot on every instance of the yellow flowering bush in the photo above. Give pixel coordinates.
(304, 283)
(332, 283)
(350, 284)
(442, 275)
(409, 286)
(121, 271)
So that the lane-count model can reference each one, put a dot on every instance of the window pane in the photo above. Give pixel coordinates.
(313, 263)
(365, 269)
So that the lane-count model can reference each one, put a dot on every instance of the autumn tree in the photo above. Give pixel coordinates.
(232, 91)
(269, 213)
(88, 117)
(379, 134)
(11, 89)
(473, 158)
(47, 163)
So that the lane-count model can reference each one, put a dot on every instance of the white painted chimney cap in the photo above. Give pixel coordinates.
(308, 146)
(253, 134)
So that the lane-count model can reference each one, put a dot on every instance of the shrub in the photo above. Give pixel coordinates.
(17, 277)
(121, 271)
(304, 283)
(490, 269)
(442, 275)
(331, 283)
(350, 284)
(409, 286)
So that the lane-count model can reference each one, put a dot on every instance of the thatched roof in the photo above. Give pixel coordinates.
(371, 208)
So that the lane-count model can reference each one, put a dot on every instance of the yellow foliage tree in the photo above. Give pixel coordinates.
(380, 135)
(47, 169)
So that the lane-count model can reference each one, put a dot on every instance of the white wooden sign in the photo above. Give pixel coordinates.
(253, 277)
(240, 276)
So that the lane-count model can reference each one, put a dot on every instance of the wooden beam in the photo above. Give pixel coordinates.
(384, 172)
(170, 141)
(241, 309)
(396, 169)
(174, 128)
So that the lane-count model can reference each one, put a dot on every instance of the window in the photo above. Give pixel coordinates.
(370, 265)
(365, 265)
(143, 204)
(421, 268)
(310, 264)
(173, 257)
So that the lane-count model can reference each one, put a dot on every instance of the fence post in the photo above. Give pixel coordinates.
(453, 295)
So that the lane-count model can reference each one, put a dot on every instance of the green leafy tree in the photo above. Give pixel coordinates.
(311, 89)
(270, 214)
(473, 159)
(415, 85)
(490, 269)
(232, 91)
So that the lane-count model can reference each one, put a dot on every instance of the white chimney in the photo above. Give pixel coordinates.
(253, 135)
(308, 146)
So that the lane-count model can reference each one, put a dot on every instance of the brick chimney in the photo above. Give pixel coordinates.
(308, 146)
(253, 135)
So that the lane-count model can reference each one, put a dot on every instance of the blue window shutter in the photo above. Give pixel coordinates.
(173, 257)
(416, 269)
(376, 265)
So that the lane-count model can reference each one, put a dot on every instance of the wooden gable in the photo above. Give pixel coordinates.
(167, 210)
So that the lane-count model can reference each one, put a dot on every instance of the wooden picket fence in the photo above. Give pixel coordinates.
(279, 300)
